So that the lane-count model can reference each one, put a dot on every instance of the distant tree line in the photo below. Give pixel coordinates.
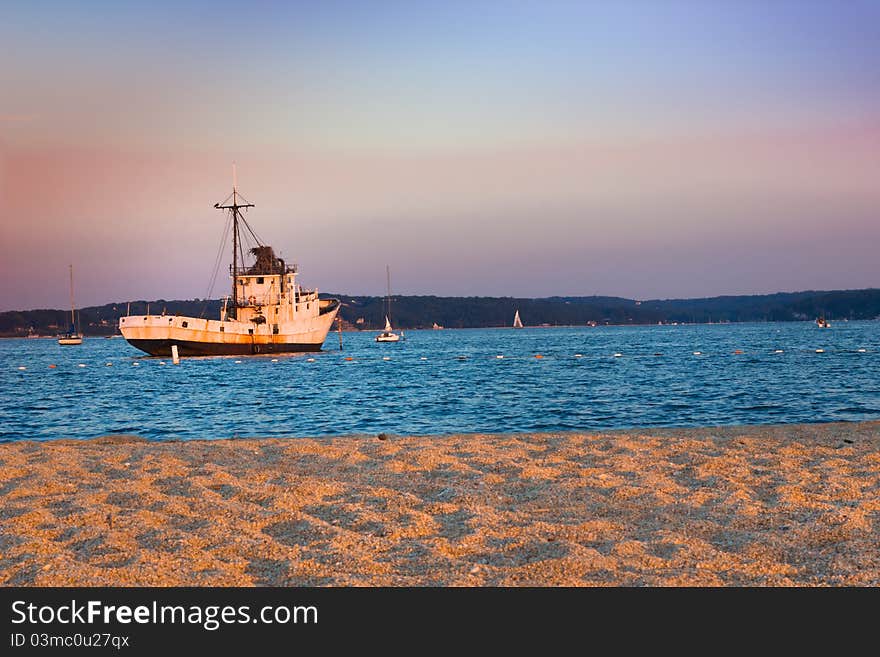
(411, 312)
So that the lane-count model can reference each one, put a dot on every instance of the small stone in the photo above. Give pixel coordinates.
(382, 436)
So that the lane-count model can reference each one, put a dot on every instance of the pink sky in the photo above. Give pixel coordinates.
(575, 161)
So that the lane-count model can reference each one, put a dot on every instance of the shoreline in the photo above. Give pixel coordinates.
(755, 505)
(790, 429)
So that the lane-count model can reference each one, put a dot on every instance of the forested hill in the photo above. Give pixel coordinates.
(410, 312)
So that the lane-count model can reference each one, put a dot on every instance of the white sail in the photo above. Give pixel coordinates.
(387, 335)
(517, 322)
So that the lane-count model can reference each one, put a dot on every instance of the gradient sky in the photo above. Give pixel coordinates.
(645, 149)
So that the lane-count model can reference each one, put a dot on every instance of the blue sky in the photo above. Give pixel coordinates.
(644, 149)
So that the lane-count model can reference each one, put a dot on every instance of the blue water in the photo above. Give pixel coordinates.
(450, 381)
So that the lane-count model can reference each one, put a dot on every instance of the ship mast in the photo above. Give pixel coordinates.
(235, 208)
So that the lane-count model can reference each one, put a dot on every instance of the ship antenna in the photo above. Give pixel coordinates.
(236, 215)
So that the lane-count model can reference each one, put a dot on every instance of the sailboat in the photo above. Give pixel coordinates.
(517, 322)
(388, 335)
(72, 336)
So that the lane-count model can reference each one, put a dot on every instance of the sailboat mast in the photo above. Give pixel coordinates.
(72, 320)
(388, 297)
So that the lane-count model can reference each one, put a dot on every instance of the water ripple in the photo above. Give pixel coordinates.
(426, 388)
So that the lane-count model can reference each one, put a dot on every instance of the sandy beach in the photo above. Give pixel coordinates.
(791, 505)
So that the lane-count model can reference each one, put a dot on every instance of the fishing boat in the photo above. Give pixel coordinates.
(388, 334)
(517, 322)
(72, 337)
(268, 312)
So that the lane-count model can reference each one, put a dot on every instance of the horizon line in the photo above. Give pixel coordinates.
(472, 296)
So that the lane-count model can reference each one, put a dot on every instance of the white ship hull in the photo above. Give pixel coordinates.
(155, 334)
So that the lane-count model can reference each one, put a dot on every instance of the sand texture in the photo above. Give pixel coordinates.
(774, 505)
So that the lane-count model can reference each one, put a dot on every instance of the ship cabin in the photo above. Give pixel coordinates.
(267, 292)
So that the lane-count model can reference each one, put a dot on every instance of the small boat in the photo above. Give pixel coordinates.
(517, 322)
(72, 336)
(436, 326)
(388, 334)
(821, 322)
